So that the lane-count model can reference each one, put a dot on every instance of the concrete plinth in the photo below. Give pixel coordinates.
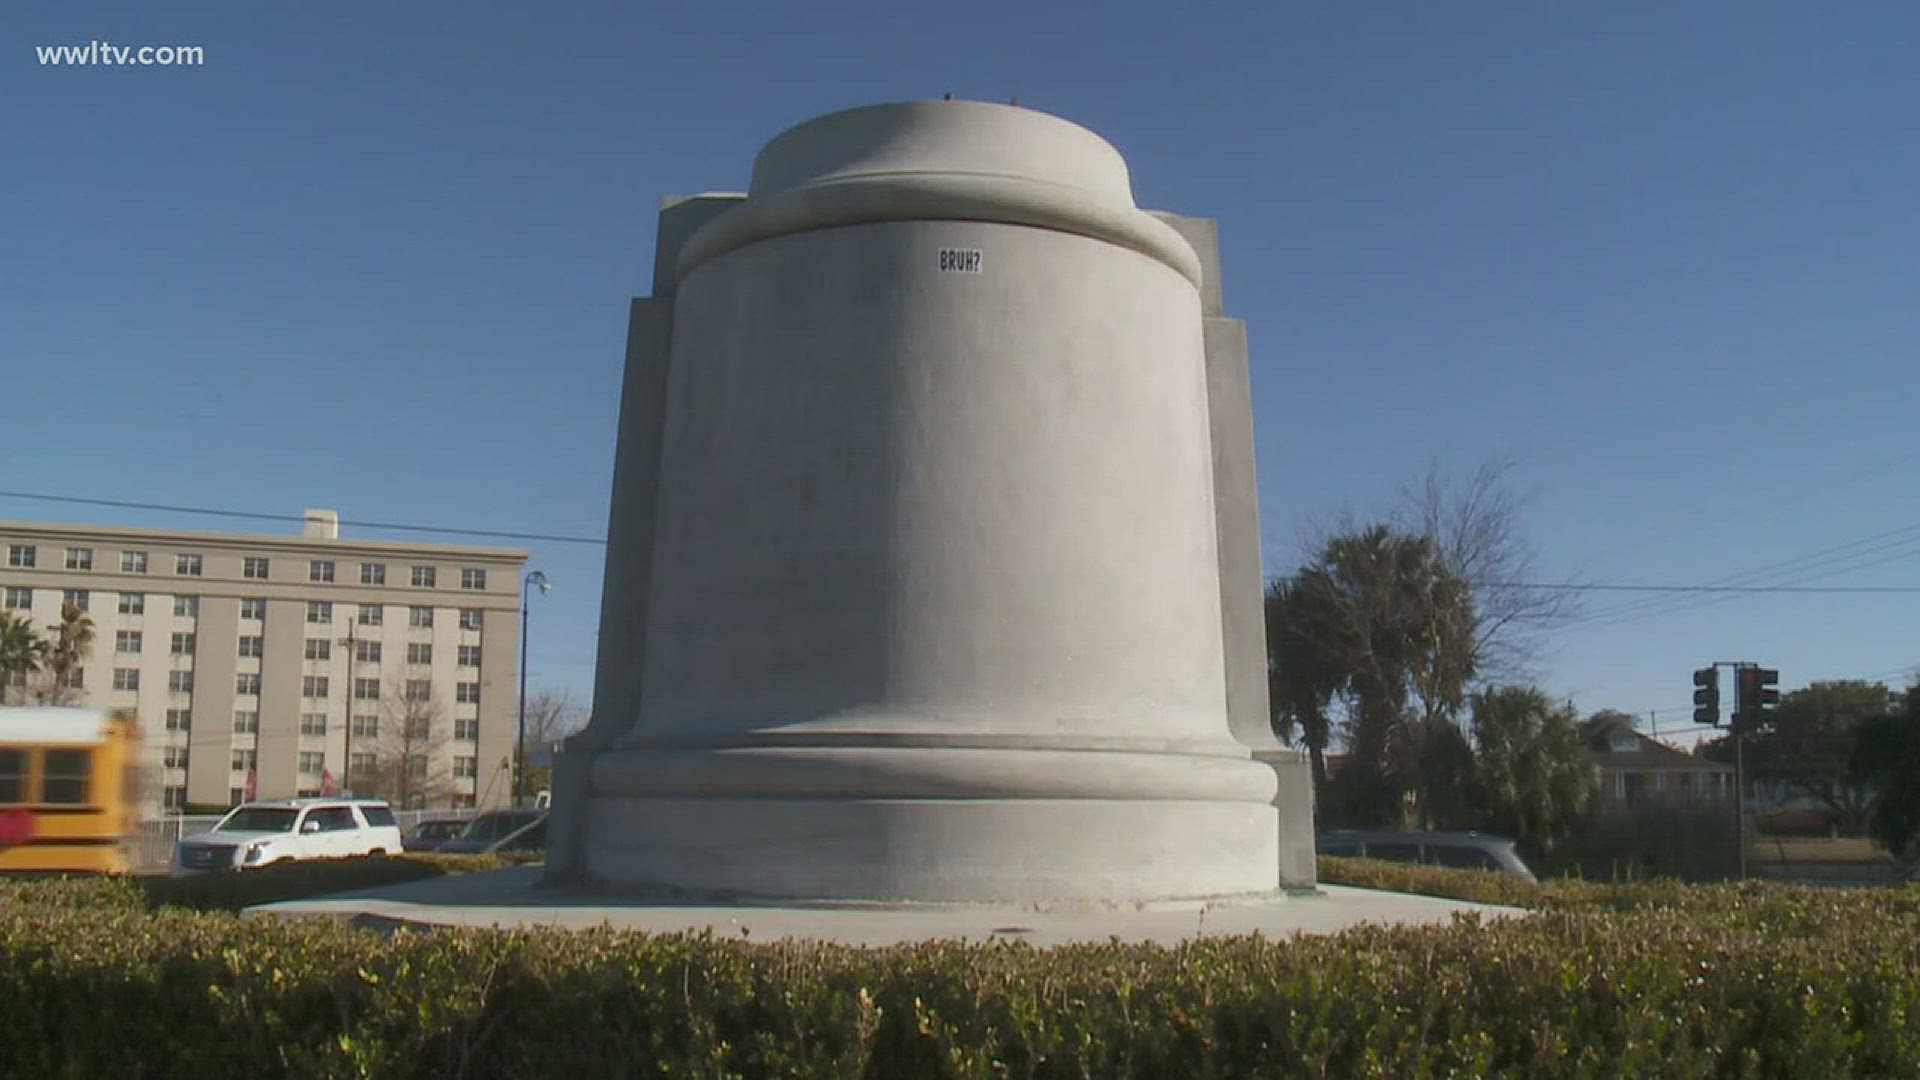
(933, 568)
(511, 899)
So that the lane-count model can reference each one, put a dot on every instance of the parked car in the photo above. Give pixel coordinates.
(1461, 850)
(524, 840)
(486, 832)
(282, 830)
(429, 835)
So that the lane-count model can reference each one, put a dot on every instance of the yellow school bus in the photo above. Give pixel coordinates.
(69, 790)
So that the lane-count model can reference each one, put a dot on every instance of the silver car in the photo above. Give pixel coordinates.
(1460, 850)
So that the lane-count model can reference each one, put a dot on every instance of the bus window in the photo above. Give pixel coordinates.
(66, 776)
(13, 776)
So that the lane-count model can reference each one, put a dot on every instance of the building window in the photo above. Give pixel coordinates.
(360, 762)
(181, 682)
(466, 730)
(319, 611)
(21, 555)
(469, 656)
(467, 693)
(188, 606)
(244, 760)
(126, 678)
(419, 689)
(236, 796)
(79, 598)
(419, 727)
(76, 678)
(186, 565)
(182, 645)
(133, 603)
(176, 797)
(466, 768)
(247, 682)
(420, 616)
(313, 723)
(176, 757)
(79, 558)
(367, 652)
(423, 577)
(179, 720)
(127, 641)
(417, 766)
(320, 571)
(319, 649)
(252, 645)
(471, 578)
(18, 598)
(366, 689)
(365, 727)
(373, 573)
(419, 653)
(133, 562)
(470, 618)
(246, 722)
(311, 762)
(313, 686)
(373, 615)
(253, 607)
(253, 567)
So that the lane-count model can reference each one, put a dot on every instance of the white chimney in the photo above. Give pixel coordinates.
(321, 524)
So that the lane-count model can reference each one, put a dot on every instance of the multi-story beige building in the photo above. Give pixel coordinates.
(290, 664)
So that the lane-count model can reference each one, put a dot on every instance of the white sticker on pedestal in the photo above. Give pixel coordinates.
(960, 260)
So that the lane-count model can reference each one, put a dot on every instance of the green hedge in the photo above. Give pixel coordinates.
(1752, 980)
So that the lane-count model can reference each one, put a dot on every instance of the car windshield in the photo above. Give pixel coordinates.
(495, 826)
(259, 819)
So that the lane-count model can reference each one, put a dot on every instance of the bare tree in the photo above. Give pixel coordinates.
(551, 717)
(1473, 520)
(408, 765)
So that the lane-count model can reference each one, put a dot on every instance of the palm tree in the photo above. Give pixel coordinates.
(22, 651)
(72, 644)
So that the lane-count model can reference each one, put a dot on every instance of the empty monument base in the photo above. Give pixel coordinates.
(921, 823)
(961, 849)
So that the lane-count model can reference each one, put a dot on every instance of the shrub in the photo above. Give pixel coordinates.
(1650, 979)
(231, 890)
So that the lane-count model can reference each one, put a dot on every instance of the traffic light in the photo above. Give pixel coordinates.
(1756, 694)
(1706, 696)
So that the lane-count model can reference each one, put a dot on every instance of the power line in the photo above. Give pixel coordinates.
(1795, 570)
(1543, 586)
(1582, 587)
(298, 519)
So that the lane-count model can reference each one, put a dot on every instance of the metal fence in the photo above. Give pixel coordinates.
(153, 844)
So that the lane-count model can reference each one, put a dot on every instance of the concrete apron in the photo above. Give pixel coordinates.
(513, 898)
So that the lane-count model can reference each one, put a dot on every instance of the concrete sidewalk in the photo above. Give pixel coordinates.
(511, 898)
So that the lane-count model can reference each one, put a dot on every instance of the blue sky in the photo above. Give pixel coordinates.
(377, 257)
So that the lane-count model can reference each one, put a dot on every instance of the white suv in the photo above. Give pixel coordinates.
(282, 830)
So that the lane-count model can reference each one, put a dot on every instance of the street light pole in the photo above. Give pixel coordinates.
(346, 766)
(520, 740)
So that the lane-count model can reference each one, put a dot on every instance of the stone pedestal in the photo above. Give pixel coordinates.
(921, 584)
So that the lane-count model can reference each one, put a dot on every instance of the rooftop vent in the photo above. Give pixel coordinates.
(321, 524)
